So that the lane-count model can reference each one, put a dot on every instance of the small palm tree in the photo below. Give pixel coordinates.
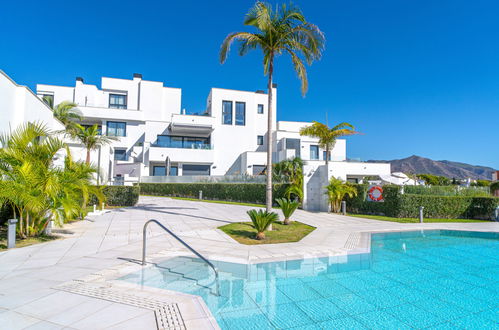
(337, 190)
(284, 30)
(261, 221)
(327, 136)
(91, 138)
(67, 113)
(288, 207)
(290, 171)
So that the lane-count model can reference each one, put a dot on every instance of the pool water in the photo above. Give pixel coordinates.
(432, 279)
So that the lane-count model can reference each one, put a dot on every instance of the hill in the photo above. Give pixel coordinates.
(420, 165)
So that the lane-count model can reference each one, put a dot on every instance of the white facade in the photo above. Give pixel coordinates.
(18, 105)
(156, 137)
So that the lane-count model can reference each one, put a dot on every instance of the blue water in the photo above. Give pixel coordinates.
(431, 279)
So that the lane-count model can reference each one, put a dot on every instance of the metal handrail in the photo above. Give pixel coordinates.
(183, 243)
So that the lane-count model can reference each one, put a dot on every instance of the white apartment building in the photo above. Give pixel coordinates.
(157, 138)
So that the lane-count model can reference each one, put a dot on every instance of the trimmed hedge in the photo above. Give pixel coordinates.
(233, 192)
(407, 205)
(119, 196)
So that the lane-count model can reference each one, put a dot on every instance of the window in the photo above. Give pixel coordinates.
(314, 152)
(168, 141)
(259, 169)
(117, 101)
(260, 108)
(294, 144)
(120, 154)
(159, 171)
(195, 170)
(227, 112)
(116, 128)
(240, 113)
(173, 170)
(324, 155)
(259, 140)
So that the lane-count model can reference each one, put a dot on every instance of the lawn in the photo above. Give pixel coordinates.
(23, 242)
(244, 233)
(410, 220)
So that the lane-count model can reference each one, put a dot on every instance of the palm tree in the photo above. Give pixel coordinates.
(279, 31)
(337, 190)
(290, 171)
(91, 138)
(327, 136)
(261, 221)
(66, 113)
(288, 207)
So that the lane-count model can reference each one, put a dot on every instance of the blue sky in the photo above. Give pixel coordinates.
(416, 77)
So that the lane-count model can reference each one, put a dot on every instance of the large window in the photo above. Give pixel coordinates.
(227, 112)
(120, 154)
(159, 170)
(314, 152)
(259, 140)
(117, 101)
(260, 108)
(173, 170)
(195, 170)
(49, 99)
(324, 155)
(186, 142)
(240, 113)
(116, 128)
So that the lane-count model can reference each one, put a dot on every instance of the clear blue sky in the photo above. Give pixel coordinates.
(417, 77)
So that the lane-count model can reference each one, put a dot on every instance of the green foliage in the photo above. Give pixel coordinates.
(119, 195)
(232, 192)
(336, 192)
(435, 180)
(34, 186)
(448, 191)
(290, 171)
(90, 137)
(288, 207)
(481, 183)
(494, 186)
(407, 205)
(261, 220)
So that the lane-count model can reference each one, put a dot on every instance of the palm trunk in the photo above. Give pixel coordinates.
(88, 157)
(269, 139)
(327, 155)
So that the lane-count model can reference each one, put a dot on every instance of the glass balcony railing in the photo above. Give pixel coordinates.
(185, 145)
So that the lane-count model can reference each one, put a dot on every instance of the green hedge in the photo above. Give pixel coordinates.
(119, 196)
(407, 205)
(448, 191)
(233, 192)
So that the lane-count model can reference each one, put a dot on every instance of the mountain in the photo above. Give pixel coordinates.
(421, 165)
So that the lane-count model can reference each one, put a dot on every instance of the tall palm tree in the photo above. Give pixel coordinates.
(283, 30)
(327, 136)
(91, 138)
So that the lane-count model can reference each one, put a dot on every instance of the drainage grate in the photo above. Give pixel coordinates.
(168, 315)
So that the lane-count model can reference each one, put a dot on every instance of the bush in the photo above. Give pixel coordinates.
(233, 192)
(119, 196)
(407, 205)
(448, 191)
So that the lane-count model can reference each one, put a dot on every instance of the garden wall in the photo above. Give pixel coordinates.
(233, 192)
(407, 205)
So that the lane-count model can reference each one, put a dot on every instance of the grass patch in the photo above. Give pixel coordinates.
(410, 220)
(23, 242)
(210, 201)
(244, 233)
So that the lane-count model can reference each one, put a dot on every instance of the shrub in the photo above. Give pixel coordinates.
(448, 191)
(261, 221)
(119, 196)
(407, 205)
(288, 208)
(233, 192)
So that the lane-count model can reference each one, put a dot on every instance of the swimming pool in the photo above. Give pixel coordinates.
(425, 279)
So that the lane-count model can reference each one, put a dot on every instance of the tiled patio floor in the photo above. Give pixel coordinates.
(29, 276)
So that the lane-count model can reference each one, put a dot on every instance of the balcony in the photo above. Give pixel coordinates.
(202, 154)
(111, 113)
(191, 125)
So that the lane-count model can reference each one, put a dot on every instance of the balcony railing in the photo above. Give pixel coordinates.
(185, 145)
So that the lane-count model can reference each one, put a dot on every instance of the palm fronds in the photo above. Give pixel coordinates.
(261, 221)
